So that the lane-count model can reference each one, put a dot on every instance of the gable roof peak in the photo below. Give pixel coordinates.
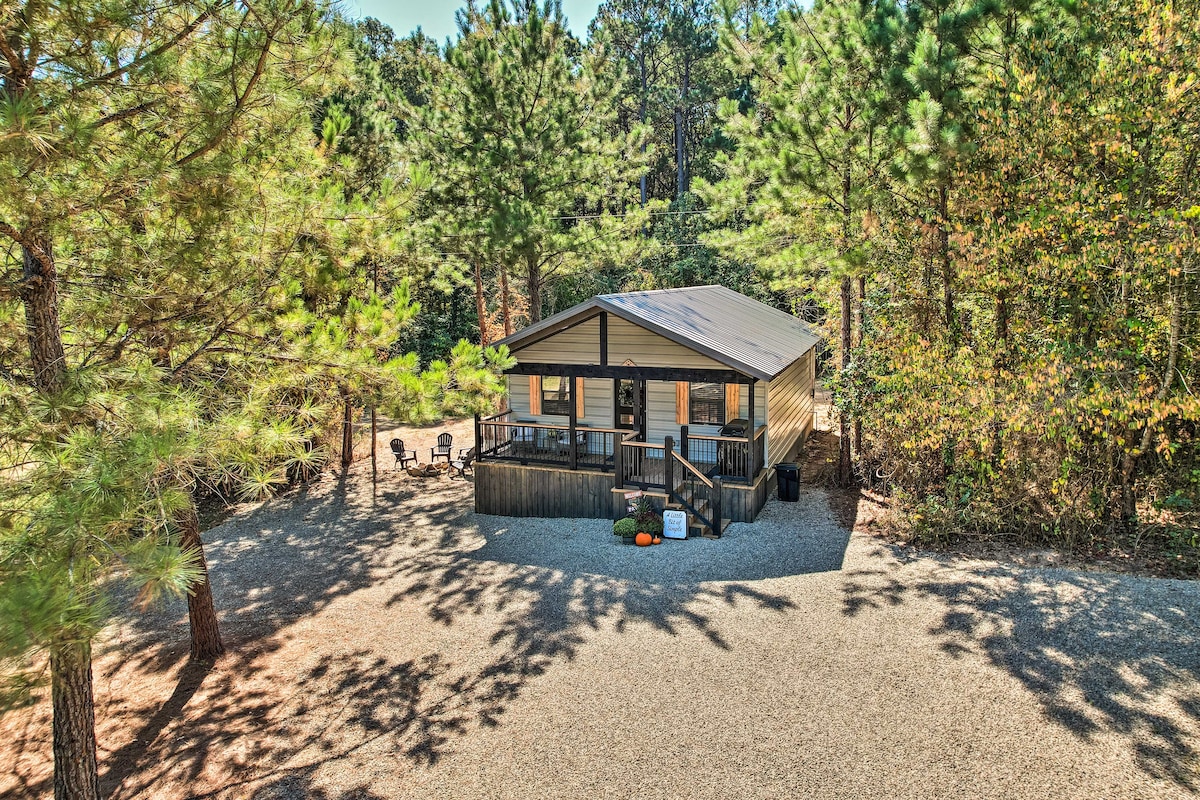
(738, 331)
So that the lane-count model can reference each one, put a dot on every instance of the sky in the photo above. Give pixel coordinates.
(436, 17)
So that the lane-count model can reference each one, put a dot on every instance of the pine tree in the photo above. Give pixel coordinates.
(809, 159)
(935, 75)
(525, 181)
(174, 231)
(151, 101)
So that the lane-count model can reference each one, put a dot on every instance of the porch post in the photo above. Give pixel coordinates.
(604, 338)
(478, 439)
(619, 459)
(669, 465)
(683, 442)
(750, 459)
(572, 445)
(718, 488)
(638, 388)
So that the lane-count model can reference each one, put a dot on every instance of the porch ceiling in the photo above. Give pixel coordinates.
(632, 372)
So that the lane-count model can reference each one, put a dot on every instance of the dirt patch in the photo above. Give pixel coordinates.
(171, 729)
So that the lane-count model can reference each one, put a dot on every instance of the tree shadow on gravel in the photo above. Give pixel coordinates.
(277, 565)
(266, 717)
(1102, 653)
(562, 578)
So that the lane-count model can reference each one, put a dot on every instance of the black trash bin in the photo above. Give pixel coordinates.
(788, 478)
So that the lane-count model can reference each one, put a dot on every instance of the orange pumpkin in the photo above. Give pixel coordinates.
(656, 540)
(642, 539)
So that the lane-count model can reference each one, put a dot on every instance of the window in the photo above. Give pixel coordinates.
(555, 396)
(706, 404)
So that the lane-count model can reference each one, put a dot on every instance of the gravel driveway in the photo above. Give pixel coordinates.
(392, 644)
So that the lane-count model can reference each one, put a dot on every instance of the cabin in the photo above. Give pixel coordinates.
(688, 395)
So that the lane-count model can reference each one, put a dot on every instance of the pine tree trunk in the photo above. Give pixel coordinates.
(642, 116)
(347, 430)
(860, 306)
(505, 306)
(481, 307)
(39, 295)
(678, 153)
(947, 266)
(202, 613)
(75, 773)
(844, 445)
(374, 438)
(74, 724)
(534, 287)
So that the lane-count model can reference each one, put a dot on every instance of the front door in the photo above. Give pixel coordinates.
(630, 411)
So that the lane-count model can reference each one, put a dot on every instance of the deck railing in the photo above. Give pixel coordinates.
(501, 438)
(637, 462)
(642, 464)
(734, 458)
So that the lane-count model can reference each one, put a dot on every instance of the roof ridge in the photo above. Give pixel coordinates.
(668, 289)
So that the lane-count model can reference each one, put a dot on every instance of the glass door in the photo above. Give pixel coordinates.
(630, 411)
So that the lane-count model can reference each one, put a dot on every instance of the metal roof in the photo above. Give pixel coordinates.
(751, 337)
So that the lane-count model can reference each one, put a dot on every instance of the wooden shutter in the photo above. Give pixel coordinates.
(682, 389)
(579, 411)
(535, 394)
(733, 400)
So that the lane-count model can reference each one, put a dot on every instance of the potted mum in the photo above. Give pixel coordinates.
(626, 528)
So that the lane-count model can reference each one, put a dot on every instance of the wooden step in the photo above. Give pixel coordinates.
(674, 504)
(707, 534)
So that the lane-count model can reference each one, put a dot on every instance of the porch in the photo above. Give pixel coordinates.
(542, 469)
(625, 453)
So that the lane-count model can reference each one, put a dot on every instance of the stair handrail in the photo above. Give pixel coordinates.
(692, 468)
(713, 524)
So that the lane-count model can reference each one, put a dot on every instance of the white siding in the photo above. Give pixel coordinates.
(628, 342)
(577, 345)
(597, 402)
(790, 409)
(660, 413)
(760, 402)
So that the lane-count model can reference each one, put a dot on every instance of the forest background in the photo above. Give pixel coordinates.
(233, 229)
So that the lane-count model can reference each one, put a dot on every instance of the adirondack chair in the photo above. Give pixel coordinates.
(466, 456)
(443, 448)
(402, 456)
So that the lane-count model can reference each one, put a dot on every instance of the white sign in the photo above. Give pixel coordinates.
(674, 524)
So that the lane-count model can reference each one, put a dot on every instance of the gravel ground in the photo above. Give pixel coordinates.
(389, 643)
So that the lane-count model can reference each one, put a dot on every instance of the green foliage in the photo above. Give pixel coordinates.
(201, 203)
(527, 176)
(626, 526)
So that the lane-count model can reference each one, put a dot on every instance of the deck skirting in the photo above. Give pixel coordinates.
(515, 490)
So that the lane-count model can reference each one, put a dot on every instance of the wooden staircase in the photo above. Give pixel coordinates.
(680, 484)
(699, 512)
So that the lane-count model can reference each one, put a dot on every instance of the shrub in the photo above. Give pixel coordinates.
(626, 526)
